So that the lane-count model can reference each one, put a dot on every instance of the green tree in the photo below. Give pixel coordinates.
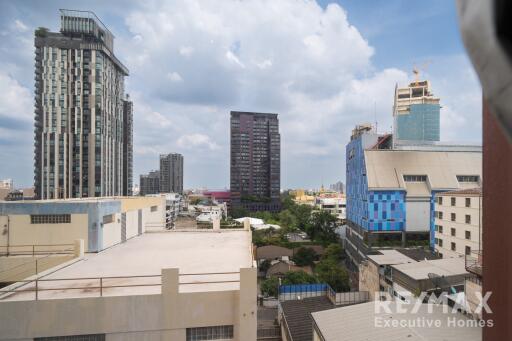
(287, 220)
(239, 212)
(304, 256)
(322, 227)
(328, 271)
(269, 287)
(335, 252)
(298, 277)
(303, 216)
(41, 32)
(264, 265)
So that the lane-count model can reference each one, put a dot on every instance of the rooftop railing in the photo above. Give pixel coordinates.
(36, 250)
(101, 286)
(474, 262)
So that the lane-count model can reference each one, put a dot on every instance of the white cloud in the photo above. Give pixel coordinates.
(15, 100)
(197, 141)
(20, 26)
(174, 77)
(186, 50)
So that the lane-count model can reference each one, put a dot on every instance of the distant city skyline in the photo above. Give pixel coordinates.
(320, 87)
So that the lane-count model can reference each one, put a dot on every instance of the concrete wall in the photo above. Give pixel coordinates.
(22, 232)
(163, 316)
(18, 268)
(369, 278)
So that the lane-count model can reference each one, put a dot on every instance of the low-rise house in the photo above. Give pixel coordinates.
(279, 268)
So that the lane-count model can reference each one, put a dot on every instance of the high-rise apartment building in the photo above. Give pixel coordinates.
(127, 146)
(79, 129)
(255, 161)
(150, 183)
(416, 113)
(171, 173)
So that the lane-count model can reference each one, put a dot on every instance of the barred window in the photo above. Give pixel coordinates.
(50, 219)
(210, 333)
(154, 208)
(468, 178)
(107, 219)
(415, 178)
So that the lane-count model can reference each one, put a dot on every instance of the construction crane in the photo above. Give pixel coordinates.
(416, 71)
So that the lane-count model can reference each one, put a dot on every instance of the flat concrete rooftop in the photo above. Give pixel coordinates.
(212, 256)
(441, 267)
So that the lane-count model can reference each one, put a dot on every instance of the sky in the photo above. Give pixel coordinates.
(323, 66)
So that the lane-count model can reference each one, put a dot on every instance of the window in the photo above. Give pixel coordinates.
(468, 178)
(154, 208)
(468, 235)
(415, 178)
(440, 200)
(453, 217)
(440, 254)
(452, 232)
(210, 333)
(454, 247)
(436, 241)
(107, 219)
(468, 219)
(50, 219)
(440, 227)
(468, 202)
(91, 337)
(468, 250)
(453, 201)
(440, 242)
(440, 215)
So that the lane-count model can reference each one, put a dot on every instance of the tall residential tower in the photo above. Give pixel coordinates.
(171, 173)
(255, 161)
(79, 124)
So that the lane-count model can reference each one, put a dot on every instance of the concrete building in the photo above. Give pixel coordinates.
(79, 91)
(458, 222)
(335, 205)
(6, 184)
(100, 222)
(416, 113)
(171, 173)
(149, 183)
(337, 187)
(255, 169)
(364, 322)
(163, 285)
(127, 147)
(390, 192)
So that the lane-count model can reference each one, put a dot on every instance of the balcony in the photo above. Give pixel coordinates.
(474, 262)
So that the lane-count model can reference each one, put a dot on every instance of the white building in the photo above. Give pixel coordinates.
(163, 285)
(458, 222)
(336, 205)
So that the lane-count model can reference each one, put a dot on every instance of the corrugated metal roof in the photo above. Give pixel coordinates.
(441, 267)
(360, 323)
(385, 168)
(467, 191)
(298, 316)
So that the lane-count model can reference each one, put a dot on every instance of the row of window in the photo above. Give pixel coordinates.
(453, 216)
(423, 178)
(453, 231)
(50, 219)
(453, 201)
(453, 246)
(210, 333)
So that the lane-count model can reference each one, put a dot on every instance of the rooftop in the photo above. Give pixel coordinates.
(389, 257)
(441, 267)
(468, 191)
(210, 256)
(360, 323)
(385, 168)
(298, 315)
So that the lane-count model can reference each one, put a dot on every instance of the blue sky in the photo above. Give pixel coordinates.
(324, 67)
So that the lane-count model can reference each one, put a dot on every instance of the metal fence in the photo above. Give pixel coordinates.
(301, 291)
(35, 250)
(269, 333)
(102, 286)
